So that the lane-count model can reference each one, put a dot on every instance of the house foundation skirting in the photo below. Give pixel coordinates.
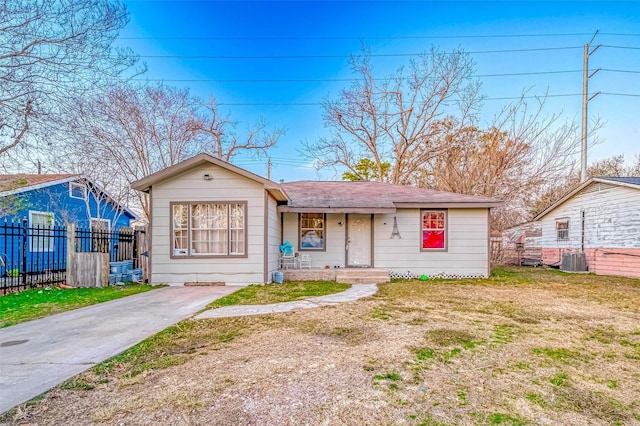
(623, 262)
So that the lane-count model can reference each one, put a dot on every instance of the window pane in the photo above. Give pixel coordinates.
(180, 227)
(42, 235)
(433, 239)
(433, 229)
(209, 229)
(312, 231)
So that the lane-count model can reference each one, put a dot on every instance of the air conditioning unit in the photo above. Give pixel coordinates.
(180, 252)
(574, 262)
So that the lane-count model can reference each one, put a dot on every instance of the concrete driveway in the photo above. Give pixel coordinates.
(38, 355)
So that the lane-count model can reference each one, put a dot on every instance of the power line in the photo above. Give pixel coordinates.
(633, 95)
(337, 80)
(321, 103)
(365, 37)
(342, 38)
(378, 55)
(505, 98)
(622, 71)
(621, 47)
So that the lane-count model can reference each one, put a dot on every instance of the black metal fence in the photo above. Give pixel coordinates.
(36, 256)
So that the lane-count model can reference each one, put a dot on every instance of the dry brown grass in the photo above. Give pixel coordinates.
(526, 347)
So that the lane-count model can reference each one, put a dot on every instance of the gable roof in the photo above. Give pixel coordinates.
(13, 184)
(147, 182)
(629, 182)
(372, 197)
(21, 182)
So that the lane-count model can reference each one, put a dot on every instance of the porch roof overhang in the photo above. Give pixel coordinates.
(328, 209)
(450, 205)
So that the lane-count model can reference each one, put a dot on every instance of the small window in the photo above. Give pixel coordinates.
(77, 190)
(41, 231)
(312, 235)
(434, 230)
(209, 229)
(562, 229)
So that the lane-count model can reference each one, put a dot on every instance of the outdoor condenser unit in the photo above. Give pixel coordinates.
(574, 262)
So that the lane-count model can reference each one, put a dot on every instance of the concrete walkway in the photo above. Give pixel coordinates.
(357, 291)
(38, 355)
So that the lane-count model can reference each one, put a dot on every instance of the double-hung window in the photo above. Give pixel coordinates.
(434, 230)
(562, 229)
(209, 229)
(41, 229)
(312, 236)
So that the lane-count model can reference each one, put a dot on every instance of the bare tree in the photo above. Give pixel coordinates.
(130, 132)
(49, 51)
(225, 141)
(614, 166)
(517, 158)
(395, 119)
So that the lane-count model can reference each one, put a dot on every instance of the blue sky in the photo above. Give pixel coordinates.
(229, 49)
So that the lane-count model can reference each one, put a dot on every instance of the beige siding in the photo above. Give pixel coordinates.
(335, 240)
(611, 219)
(467, 254)
(467, 244)
(190, 186)
(274, 235)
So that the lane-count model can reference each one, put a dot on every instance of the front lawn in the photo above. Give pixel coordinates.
(523, 347)
(277, 293)
(41, 302)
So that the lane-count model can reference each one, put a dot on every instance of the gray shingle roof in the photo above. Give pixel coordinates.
(629, 179)
(345, 194)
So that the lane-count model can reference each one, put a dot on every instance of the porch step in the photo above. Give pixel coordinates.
(342, 275)
(362, 276)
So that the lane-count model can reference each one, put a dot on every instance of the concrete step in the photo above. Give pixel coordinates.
(362, 276)
(342, 275)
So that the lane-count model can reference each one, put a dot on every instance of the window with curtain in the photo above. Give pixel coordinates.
(434, 229)
(312, 235)
(209, 229)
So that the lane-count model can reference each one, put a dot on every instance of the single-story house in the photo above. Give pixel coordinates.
(600, 219)
(212, 221)
(45, 203)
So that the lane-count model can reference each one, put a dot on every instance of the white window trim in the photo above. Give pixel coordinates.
(445, 230)
(99, 219)
(562, 220)
(50, 246)
(301, 230)
(73, 185)
(184, 252)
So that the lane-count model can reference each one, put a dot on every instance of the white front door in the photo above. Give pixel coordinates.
(359, 240)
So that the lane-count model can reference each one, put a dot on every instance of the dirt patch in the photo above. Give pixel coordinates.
(417, 353)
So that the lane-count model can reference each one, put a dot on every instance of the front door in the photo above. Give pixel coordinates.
(359, 241)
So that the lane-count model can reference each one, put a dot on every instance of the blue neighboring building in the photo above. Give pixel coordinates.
(48, 202)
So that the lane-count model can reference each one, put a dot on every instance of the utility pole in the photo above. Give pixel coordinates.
(585, 102)
(269, 169)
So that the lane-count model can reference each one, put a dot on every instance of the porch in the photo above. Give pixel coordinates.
(342, 275)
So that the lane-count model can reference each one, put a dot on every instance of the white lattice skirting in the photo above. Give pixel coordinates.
(408, 275)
